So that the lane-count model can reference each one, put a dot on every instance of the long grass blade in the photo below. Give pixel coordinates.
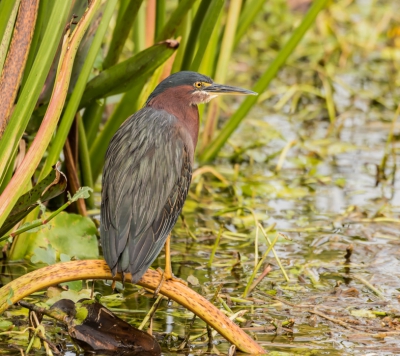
(24, 173)
(16, 59)
(126, 17)
(222, 68)
(42, 20)
(211, 151)
(5, 39)
(92, 118)
(121, 77)
(126, 107)
(184, 32)
(6, 9)
(31, 91)
(259, 264)
(160, 16)
(73, 103)
(206, 31)
(251, 10)
(175, 20)
(198, 20)
(139, 30)
(84, 162)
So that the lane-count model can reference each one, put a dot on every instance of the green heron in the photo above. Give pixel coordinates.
(148, 170)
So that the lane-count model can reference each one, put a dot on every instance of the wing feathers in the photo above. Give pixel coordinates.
(145, 183)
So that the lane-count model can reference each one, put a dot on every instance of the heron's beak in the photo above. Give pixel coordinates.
(219, 89)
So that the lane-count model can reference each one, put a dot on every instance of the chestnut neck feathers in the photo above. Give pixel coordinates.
(177, 101)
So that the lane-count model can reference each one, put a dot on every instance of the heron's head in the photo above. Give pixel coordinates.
(191, 88)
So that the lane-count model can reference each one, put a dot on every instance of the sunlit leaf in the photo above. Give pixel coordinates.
(44, 255)
(81, 193)
(68, 234)
(51, 186)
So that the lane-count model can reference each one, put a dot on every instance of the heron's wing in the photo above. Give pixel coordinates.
(146, 178)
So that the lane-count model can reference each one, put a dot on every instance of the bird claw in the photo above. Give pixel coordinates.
(165, 276)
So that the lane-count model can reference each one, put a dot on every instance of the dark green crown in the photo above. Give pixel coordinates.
(178, 79)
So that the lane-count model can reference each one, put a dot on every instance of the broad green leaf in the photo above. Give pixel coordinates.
(74, 285)
(64, 257)
(44, 255)
(70, 294)
(68, 234)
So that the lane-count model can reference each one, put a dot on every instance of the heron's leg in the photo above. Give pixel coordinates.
(167, 273)
(168, 269)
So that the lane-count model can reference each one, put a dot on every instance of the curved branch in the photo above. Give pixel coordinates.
(98, 269)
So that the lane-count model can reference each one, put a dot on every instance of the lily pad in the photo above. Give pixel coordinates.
(68, 234)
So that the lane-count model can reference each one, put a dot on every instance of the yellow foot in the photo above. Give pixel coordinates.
(165, 276)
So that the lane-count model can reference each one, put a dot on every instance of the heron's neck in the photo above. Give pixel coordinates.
(178, 106)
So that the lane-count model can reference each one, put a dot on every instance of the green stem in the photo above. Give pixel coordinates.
(92, 119)
(260, 263)
(37, 223)
(139, 31)
(84, 162)
(265, 232)
(211, 151)
(389, 141)
(151, 311)
(209, 264)
(160, 16)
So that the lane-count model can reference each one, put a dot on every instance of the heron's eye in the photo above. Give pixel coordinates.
(198, 85)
